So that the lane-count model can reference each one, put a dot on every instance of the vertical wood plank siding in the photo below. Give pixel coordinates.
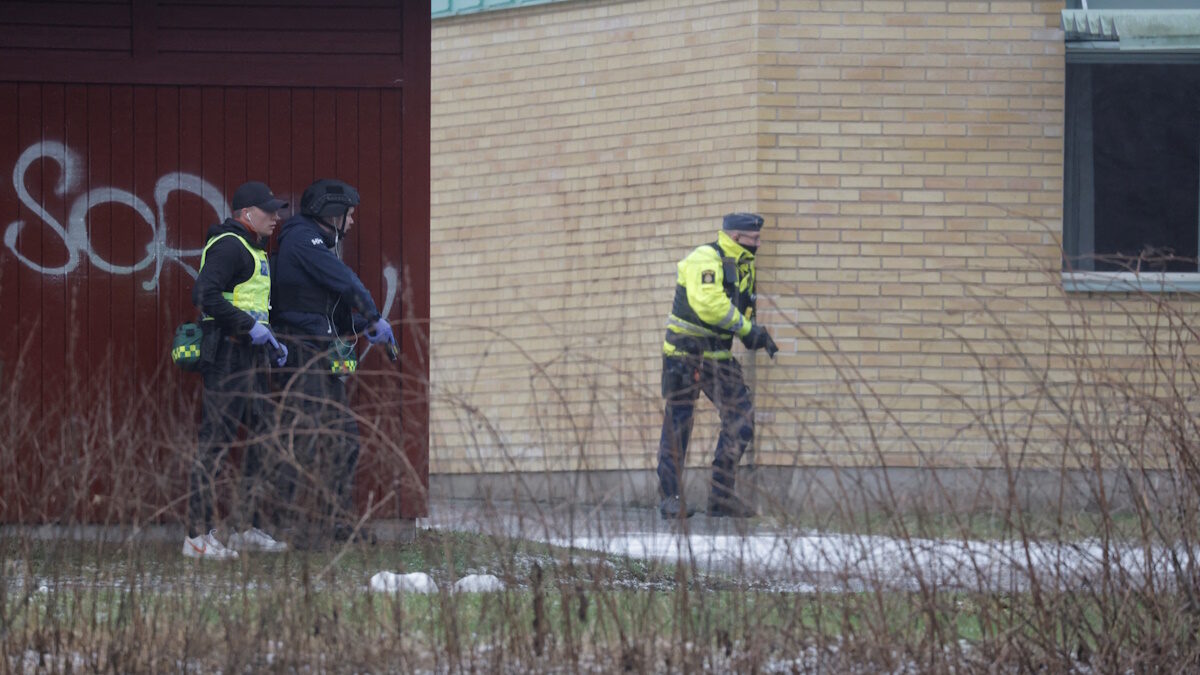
(119, 156)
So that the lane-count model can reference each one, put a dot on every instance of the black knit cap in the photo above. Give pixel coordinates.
(747, 222)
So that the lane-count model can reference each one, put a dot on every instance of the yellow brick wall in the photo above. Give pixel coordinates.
(908, 158)
(914, 158)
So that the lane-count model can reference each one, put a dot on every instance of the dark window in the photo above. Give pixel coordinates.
(1132, 175)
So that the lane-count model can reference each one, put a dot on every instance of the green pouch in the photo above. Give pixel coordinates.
(343, 360)
(185, 348)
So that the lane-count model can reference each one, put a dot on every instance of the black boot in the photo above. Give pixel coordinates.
(671, 508)
(723, 501)
(728, 505)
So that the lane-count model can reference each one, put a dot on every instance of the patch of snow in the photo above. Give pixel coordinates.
(479, 583)
(414, 582)
(37, 661)
(855, 562)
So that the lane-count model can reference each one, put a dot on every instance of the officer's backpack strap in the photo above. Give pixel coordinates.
(729, 271)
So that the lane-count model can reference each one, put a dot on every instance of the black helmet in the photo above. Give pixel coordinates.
(328, 198)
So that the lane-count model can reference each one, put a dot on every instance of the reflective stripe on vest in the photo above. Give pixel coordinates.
(252, 296)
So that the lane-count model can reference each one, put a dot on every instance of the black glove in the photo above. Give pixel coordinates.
(759, 338)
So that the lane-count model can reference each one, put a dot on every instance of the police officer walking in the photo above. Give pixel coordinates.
(233, 290)
(714, 302)
(320, 306)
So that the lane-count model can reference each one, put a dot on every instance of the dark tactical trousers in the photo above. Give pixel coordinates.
(322, 434)
(684, 377)
(236, 393)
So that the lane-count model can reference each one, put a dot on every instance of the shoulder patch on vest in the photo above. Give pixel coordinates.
(317, 241)
(708, 277)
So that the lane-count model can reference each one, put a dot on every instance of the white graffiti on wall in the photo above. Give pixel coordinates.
(75, 236)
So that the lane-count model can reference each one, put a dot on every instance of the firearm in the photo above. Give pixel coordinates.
(276, 353)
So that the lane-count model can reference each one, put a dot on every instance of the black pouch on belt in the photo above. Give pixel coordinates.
(209, 344)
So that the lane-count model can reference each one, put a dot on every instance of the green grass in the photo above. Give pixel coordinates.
(561, 618)
(444, 555)
(146, 608)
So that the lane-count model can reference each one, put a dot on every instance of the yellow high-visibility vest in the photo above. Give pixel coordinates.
(714, 300)
(252, 296)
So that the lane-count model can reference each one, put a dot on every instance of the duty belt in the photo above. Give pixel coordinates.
(693, 344)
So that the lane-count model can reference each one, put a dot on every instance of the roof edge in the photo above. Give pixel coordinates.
(1134, 29)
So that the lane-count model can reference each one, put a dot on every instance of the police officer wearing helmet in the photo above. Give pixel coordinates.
(232, 290)
(715, 295)
(320, 306)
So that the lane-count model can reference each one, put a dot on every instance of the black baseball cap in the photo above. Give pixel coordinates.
(257, 194)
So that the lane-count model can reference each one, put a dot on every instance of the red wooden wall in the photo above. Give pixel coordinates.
(124, 128)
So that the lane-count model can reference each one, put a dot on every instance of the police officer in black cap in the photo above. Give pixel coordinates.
(714, 303)
(232, 291)
(320, 307)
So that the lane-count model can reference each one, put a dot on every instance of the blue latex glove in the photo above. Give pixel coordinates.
(380, 331)
(261, 335)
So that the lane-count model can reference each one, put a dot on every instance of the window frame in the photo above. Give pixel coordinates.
(1078, 208)
(1150, 5)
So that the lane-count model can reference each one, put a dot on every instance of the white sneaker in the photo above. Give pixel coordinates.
(206, 546)
(255, 539)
